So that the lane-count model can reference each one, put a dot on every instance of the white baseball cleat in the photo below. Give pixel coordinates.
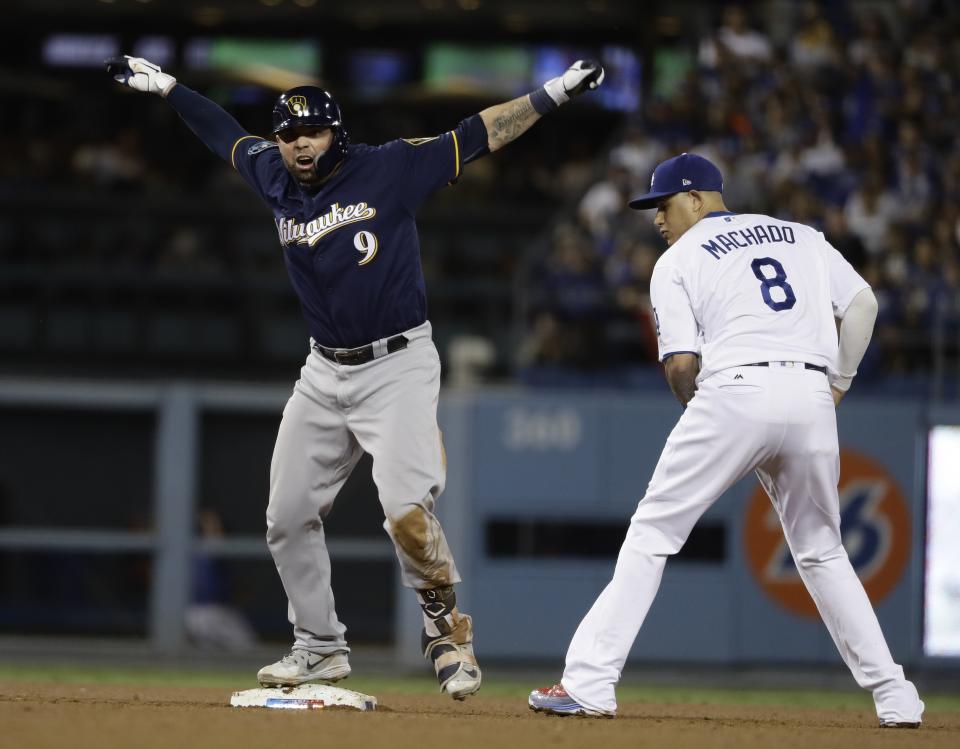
(453, 659)
(302, 666)
(898, 705)
(467, 679)
(555, 701)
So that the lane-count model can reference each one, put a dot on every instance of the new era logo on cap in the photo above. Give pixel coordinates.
(680, 174)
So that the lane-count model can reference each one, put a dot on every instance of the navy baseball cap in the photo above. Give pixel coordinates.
(680, 174)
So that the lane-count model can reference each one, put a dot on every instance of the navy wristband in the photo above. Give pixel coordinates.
(542, 103)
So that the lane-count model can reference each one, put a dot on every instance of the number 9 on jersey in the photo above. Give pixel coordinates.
(366, 244)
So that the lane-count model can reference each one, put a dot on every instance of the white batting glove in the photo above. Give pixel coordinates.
(141, 75)
(581, 76)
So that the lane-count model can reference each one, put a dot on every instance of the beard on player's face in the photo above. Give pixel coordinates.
(300, 147)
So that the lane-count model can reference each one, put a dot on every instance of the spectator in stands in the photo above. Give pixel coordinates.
(821, 158)
(212, 621)
(746, 180)
(869, 213)
(735, 41)
(604, 200)
(849, 244)
(638, 154)
(813, 45)
(116, 162)
(187, 252)
(872, 39)
(575, 296)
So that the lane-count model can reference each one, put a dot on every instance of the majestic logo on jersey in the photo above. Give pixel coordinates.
(311, 232)
(297, 105)
(874, 527)
(419, 141)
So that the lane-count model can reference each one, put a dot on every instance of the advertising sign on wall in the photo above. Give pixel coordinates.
(941, 604)
(874, 524)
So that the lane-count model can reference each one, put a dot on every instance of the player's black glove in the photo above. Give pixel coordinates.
(140, 74)
(583, 75)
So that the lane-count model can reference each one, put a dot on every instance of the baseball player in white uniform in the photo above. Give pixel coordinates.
(745, 307)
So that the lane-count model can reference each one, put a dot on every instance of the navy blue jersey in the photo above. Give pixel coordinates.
(351, 248)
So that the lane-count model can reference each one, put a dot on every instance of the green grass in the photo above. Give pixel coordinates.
(515, 689)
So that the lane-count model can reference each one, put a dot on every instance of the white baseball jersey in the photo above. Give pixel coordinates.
(743, 288)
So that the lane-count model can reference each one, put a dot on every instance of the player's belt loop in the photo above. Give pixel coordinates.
(397, 343)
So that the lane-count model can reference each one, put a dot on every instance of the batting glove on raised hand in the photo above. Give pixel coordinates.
(583, 75)
(140, 74)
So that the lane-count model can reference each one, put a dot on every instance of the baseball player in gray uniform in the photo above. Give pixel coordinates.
(745, 307)
(345, 216)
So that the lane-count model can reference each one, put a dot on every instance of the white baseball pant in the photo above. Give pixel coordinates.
(781, 422)
(388, 408)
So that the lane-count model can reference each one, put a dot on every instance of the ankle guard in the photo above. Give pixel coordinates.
(439, 610)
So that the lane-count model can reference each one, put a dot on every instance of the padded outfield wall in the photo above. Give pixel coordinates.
(541, 488)
(98, 480)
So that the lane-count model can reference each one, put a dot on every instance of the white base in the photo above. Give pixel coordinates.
(304, 697)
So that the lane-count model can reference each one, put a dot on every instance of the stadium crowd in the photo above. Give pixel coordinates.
(842, 115)
(849, 123)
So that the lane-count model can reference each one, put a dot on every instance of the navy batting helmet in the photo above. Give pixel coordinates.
(311, 105)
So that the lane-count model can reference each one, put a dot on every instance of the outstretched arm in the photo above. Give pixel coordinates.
(507, 122)
(213, 125)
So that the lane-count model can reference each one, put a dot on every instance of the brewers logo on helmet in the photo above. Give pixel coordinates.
(297, 105)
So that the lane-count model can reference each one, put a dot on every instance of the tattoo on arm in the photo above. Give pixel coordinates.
(507, 122)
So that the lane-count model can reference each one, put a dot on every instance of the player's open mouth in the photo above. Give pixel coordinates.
(305, 162)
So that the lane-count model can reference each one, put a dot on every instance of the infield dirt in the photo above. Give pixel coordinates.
(68, 716)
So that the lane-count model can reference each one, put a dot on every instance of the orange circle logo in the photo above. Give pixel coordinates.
(874, 524)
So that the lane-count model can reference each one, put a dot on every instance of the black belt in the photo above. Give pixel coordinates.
(361, 354)
(814, 367)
